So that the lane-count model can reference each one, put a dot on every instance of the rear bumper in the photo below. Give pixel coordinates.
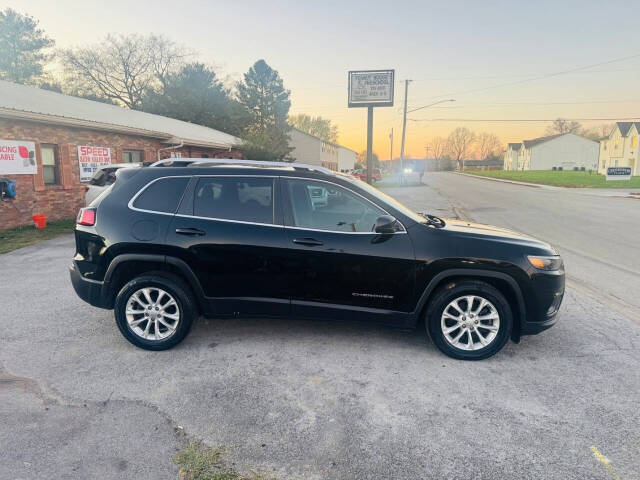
(91, 291)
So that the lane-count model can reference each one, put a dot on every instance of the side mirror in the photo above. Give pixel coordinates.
(386, 224)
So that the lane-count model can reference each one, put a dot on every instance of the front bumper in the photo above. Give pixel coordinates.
(546, 297)
(91, 291)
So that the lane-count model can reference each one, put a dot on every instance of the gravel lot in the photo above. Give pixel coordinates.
(311, 400)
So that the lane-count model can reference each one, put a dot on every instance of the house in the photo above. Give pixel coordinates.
(511, 156)
(51, 143)
(620, 148)
(564, 151)
(314, 150)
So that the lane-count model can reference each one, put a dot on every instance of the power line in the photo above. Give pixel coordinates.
(520, 120)
(540, 77)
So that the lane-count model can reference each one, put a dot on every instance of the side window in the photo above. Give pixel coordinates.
(247, 199)
(50, 171)
(324, 206)
(162, 195)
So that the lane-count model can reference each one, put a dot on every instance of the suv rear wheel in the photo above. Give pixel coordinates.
(155, 312)
(470, 321)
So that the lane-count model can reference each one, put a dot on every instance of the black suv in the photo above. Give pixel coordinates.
(235, 238)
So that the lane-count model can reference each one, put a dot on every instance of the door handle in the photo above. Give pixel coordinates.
(189, 231)
(310, 242)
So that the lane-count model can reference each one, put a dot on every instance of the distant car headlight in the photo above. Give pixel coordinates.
(408, 170)
(551, 263)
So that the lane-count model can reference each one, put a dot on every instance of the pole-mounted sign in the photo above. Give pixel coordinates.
(370, 88)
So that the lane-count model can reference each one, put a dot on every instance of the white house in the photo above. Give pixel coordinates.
(511, 156)
(314, 150)
(566, 151)
(620, 148)
(346, 159)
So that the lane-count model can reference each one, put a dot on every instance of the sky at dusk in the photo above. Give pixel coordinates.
(488, 56)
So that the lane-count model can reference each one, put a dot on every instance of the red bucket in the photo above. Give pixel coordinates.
(40, 221)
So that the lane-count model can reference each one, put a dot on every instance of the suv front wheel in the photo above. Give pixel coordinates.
(155, 312)
(470, 320)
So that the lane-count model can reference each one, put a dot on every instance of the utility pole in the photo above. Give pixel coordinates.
(391, 151)
(369, 145)
(404, 130)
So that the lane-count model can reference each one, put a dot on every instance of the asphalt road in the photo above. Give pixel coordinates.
(323, 400)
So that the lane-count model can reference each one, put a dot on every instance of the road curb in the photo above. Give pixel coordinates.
(525, 184)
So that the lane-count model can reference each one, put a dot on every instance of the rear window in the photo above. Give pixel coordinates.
(248, 199)
(162, 195)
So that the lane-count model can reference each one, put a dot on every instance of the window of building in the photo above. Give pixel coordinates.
(162, 195)
(324, 206)
(132, 156)
(247, 199)
(50, 164)
(634, 142)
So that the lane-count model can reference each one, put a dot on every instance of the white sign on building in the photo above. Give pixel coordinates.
(18, 157)
(90, 158)
(371, 88)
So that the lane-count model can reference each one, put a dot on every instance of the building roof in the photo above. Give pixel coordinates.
(321, 139)
(536, 141)
(36, 104)
(626, 126)
(515, 146)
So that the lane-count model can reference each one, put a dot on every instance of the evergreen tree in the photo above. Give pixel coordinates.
(194, 94)
(22, 46)
(267, 103)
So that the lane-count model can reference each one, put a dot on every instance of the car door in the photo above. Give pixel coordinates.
(339, 267)
(229, 231)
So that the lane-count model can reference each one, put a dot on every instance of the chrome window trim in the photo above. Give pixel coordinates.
(404, 230)
(133, 199)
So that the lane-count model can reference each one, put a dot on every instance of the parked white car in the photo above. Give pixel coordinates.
(103, 178)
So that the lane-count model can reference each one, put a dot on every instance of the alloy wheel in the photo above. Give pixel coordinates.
(152, 313)
(470, 322)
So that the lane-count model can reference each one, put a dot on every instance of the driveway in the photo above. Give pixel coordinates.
(312, 400)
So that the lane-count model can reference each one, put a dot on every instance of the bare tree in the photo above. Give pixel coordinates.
(438, 147)
(459, 143)
(561, 125)
(487, 144)
(123, 68)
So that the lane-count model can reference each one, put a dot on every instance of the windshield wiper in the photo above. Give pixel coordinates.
(433, 221)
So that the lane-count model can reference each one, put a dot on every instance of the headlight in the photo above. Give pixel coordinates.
(546, 263)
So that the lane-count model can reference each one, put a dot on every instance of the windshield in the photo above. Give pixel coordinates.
(385, 198)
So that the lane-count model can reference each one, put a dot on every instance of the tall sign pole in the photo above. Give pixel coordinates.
(391, 149)
(371, 88)
(404, 130)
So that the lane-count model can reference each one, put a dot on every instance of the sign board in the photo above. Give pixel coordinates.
(90, 158)
(371, 88)
(18, 157)
(618, 173)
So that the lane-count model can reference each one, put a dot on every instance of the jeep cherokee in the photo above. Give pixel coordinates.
(233, 238)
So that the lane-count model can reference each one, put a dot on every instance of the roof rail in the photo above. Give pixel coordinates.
(183, 162)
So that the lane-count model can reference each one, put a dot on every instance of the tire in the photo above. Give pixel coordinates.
(477, 322)
(132, 326)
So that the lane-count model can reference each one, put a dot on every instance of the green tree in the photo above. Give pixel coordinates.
(194, 94)
(318, 126)
(22, 46)
(267, 104)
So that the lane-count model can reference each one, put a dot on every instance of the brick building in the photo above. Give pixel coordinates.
(50, 128)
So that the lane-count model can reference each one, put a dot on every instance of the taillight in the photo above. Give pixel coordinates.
(86, 216)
